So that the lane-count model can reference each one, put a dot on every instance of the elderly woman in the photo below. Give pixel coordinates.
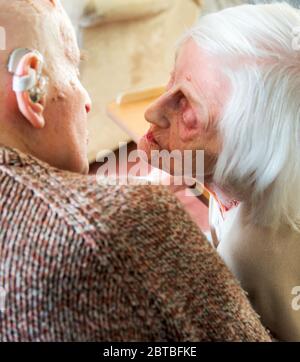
(81, 261)
(235, 93)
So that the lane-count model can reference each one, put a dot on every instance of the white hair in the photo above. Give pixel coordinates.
(260, 127)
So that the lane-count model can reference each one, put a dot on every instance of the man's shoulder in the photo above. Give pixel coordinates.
(85, 202)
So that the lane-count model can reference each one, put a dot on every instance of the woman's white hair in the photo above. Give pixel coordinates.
(259, 48)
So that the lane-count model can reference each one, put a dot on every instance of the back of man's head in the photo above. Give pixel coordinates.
(51, 125)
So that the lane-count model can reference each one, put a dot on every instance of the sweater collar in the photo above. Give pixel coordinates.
(11, 157)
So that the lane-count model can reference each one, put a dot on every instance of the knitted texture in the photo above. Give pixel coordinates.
(87, 262)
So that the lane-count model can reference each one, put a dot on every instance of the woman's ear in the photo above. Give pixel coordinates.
(31, 102)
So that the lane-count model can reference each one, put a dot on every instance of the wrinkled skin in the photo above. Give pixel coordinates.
(186, 116)
(62, 140)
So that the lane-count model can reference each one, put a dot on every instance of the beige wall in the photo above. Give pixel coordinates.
(74, 8)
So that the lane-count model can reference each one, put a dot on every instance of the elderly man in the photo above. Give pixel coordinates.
(81, 261)
(234, 93)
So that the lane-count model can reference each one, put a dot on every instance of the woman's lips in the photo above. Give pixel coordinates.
(151, 139)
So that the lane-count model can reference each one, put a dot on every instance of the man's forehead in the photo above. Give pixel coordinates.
(66, 32)
(69, 41)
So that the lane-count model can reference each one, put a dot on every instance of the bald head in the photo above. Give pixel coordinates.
(54, 129)
(41, 25)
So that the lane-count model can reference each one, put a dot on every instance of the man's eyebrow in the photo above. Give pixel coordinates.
(82, 55)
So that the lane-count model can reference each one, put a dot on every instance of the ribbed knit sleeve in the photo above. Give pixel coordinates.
(177, 286)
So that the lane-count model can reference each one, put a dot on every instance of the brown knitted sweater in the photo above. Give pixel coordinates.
(87, 262)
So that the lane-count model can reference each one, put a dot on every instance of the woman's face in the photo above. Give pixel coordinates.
(185, 117)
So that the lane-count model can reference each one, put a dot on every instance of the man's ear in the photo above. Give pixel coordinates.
(32, 110)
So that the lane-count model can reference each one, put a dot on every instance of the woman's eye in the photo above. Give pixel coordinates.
(183, 103)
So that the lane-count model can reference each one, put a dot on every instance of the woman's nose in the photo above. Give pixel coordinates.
(155, 114)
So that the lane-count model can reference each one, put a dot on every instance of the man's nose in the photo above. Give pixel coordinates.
(155, 114)
(88, 107)
(88, 103)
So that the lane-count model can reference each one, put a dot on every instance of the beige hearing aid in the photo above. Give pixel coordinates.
(34, 82)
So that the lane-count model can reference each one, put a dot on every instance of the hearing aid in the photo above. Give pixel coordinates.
(35, 83)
